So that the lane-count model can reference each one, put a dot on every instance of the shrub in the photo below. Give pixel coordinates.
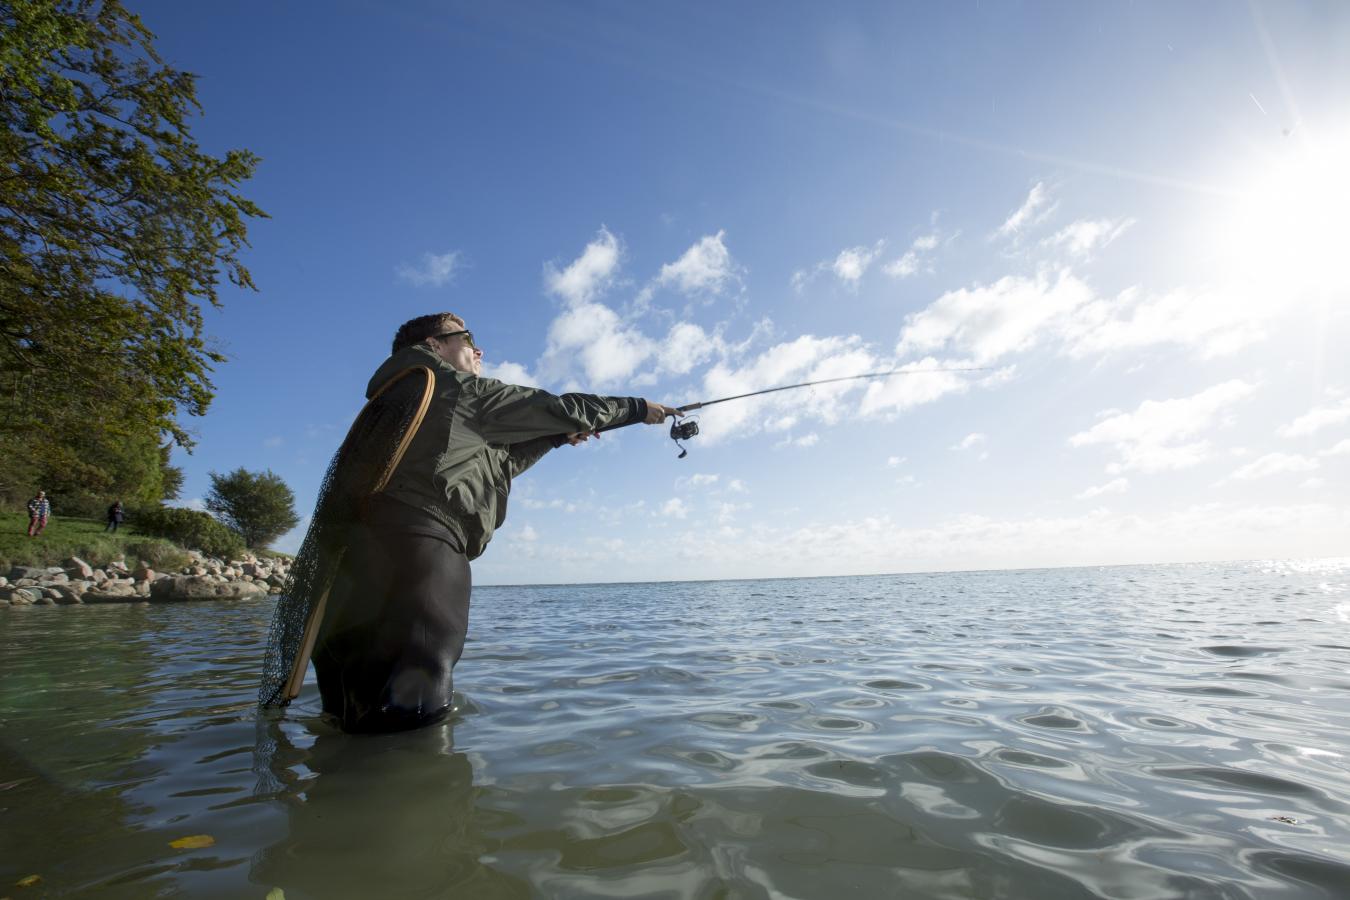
(189, 528)
(158, 555)
(258, 505)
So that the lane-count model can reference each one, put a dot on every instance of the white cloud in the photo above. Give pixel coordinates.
(592, 335)
(1275, 464)
(705, 268)
(973, 439)
(726, 512)
(736, 486)
(887, 396)
(1115, 486)
(1017, 314)
(1012, 314)
(1315, 420)
(588, 274)
(848, 266)
(806, 440)
(807, 358)
(509, 372)
(433, 270)
(1033, 210)
(1215, 323)
(1340, 449)
(894, 461)
(527, 533)
(913, 259)
(1158, 434)
(686, 345)
(851, 264)
(698, 479)
(674, 507)
(1081, 238)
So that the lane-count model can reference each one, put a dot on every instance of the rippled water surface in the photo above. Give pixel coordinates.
(1139, 732)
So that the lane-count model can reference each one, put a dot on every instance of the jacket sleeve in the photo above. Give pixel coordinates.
(511, 414)
(527, 453)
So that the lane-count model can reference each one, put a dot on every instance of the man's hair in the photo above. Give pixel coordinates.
(419, 329)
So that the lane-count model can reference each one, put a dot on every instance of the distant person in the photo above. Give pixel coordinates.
(398, 608)
(39, 508)
(115, 516)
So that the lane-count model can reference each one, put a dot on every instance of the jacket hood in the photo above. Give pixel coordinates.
(407, 358)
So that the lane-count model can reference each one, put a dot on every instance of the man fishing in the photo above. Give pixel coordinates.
(395, 617)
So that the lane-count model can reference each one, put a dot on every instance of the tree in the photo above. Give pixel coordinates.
(257, 505)
(114, 227)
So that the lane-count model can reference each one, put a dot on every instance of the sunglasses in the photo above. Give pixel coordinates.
(468, 336)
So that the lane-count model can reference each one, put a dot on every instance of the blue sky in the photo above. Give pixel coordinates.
(1133, 216)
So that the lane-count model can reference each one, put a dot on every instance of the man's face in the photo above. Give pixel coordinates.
(458, 352)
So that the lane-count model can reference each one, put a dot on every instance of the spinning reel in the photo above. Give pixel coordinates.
(683, 431)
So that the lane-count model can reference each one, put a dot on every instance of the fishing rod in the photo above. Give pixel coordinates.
(684, 430)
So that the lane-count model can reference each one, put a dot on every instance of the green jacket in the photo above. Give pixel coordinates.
(478, 434)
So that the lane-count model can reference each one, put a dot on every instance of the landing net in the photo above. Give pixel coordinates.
(368, 456)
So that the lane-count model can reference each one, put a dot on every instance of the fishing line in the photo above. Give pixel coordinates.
(684, 430)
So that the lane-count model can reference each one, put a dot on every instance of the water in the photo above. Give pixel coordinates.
(1137, 732)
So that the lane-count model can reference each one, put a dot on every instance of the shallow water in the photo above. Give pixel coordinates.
(1136, 732)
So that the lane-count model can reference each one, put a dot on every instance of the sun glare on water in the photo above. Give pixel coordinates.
(1288, 228)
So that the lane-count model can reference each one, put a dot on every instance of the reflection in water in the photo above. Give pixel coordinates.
(373, 816)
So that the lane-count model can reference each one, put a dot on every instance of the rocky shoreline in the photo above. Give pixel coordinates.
(75, 582)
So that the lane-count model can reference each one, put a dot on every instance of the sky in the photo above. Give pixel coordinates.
(1130, 218)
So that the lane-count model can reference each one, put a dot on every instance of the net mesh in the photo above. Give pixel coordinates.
(361, 467)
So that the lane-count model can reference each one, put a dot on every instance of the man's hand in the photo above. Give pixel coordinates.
(657, 413)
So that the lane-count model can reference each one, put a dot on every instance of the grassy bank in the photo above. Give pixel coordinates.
(65, 537)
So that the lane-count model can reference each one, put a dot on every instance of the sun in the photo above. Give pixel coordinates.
(1286, 227)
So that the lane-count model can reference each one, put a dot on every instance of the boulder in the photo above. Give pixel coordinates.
(19, 596)
(77, 568)
(117, 565)
(190, 587)
(28, 583)
(111, 592)
(99, 576)
(57, 578)
(3, 581)
(19, 573)
(65, 596)
(143, 573)
(54, 570)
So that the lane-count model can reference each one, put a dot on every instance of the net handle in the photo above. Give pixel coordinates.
(311, 635)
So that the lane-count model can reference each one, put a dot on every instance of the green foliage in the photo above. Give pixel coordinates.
(114, 228)
(159, 555)
(258, 505)
(190, 528)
